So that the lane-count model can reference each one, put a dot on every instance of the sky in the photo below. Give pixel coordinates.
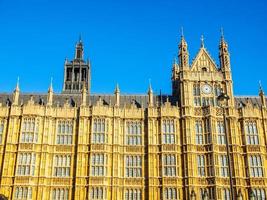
(128, 42)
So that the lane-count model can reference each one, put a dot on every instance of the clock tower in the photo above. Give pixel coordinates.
(197, 86)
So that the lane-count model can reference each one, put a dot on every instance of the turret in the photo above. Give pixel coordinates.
(50, 94)
(224, 55)
(117, 96)
(79, 50)
(16, 94)
(183, 54)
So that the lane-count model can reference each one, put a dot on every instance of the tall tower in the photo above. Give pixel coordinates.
(77, 72)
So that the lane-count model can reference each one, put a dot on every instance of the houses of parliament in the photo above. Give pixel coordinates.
(200, 142)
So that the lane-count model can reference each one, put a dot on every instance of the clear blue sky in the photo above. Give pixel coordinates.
(128, 42)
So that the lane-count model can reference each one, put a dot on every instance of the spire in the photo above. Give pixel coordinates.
(150, 94)
(50, 94)
(84, 93)
(16, 94)
(50, 89)
(183, 55)
(79, 49)
(117, 95)
(261, 94)
(202, 41)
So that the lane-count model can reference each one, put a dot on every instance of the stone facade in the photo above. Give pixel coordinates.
(77, 145)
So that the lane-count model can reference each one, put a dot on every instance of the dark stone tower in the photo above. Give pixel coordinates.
(77, 72)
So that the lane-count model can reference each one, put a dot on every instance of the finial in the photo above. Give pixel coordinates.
(182, 32)
(17, 85)
(51, 85)
(149, 87)
(260, 88)
(222, 35)
(80, 38)
(202, 41)
(117, 89)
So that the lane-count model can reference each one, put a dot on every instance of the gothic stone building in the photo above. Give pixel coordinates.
(77, 145)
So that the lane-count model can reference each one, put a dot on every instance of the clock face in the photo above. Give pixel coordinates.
(206, 89)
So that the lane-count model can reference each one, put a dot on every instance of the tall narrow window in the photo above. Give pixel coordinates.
(199, 132)
(207, 131)
(255, 163)
(168, 130)
(98, 164)
(1, 130)
(259, 193)
(133, 194)
(252, 133)
(60, 194)
(221, 132)
(223, 165)
(23, 193)
(170, 194)
(65, 132)
(169, 165)
(62, 165)
(201, 165)
(26, 164)
(30, 129)
(210, 167)
(100, 128)
(133, 166)
(226, 194)
(196, 94)
(98, 193)
(133, 133)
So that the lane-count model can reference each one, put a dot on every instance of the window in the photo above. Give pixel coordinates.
(133, 194)
(99, 130)
(1, 131)
(26, 164)
(259, 193)
(225, 194)
(169, 165)
(224, 165)
(64, 132)
(98, 193)
(207, 131)
(252, 133)
(199, 133)
(210, 167)
(98, 164)
(201, 165)
(23, 193)
(217, 92)
(196, 94)
(221, 132)
(170, 194)
(62, 165)
(30, 128)
(133, 133)
(60, 194)
(255, 166)
(133, 166)
(168, 132)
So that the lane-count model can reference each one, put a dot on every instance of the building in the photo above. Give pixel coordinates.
(77, 145)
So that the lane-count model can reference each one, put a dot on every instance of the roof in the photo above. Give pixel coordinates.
(109, 99)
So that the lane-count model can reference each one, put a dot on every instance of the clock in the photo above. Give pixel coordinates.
(206, 89)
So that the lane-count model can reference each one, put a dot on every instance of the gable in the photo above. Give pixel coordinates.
(203, 61)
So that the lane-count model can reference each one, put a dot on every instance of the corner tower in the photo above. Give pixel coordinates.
(77, 72)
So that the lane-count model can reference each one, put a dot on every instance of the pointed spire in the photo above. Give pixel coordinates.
(79, 49)
(80, 38)
(150, 94)
(50, 89)
(16, 94)
(17, 86)
(182, 32)
(261, 94)
(50, 93)
(202, 41)
(117, 89)
(224, 55)
(222, 36)
(117, 95)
